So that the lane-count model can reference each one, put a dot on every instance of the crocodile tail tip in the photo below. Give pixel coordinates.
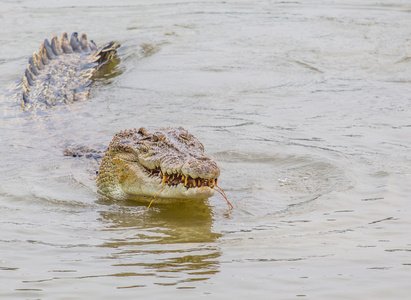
(106, 53)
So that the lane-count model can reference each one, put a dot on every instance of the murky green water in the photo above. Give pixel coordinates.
(306, 107)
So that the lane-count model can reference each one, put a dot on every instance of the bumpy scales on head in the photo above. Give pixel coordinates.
(138, 164)
(61, 72)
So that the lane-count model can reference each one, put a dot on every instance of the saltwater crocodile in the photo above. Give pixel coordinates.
(167, 164)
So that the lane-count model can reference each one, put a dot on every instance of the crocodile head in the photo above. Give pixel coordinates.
(168, 164)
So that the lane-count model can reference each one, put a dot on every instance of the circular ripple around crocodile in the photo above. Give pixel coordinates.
(271, 185)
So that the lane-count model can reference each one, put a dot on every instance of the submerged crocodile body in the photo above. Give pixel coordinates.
(169, 164)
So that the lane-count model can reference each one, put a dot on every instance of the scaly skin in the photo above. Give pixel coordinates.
(168, 164)
(61, 72)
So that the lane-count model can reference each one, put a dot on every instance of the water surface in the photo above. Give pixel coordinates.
(304, 105)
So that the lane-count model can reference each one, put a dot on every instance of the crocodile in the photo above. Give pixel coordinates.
(167, 164)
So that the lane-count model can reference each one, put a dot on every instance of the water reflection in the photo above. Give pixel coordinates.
(174, 243)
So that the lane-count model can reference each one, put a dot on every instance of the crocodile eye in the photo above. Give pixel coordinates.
(143, 149)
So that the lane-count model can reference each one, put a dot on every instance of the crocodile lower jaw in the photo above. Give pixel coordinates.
(170, 193)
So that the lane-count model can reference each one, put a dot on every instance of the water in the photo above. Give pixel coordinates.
(304, 105)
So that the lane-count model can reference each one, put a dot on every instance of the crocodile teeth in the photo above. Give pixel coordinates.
(174, 179)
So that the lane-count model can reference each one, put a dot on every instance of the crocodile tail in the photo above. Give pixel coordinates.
(49, 51)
